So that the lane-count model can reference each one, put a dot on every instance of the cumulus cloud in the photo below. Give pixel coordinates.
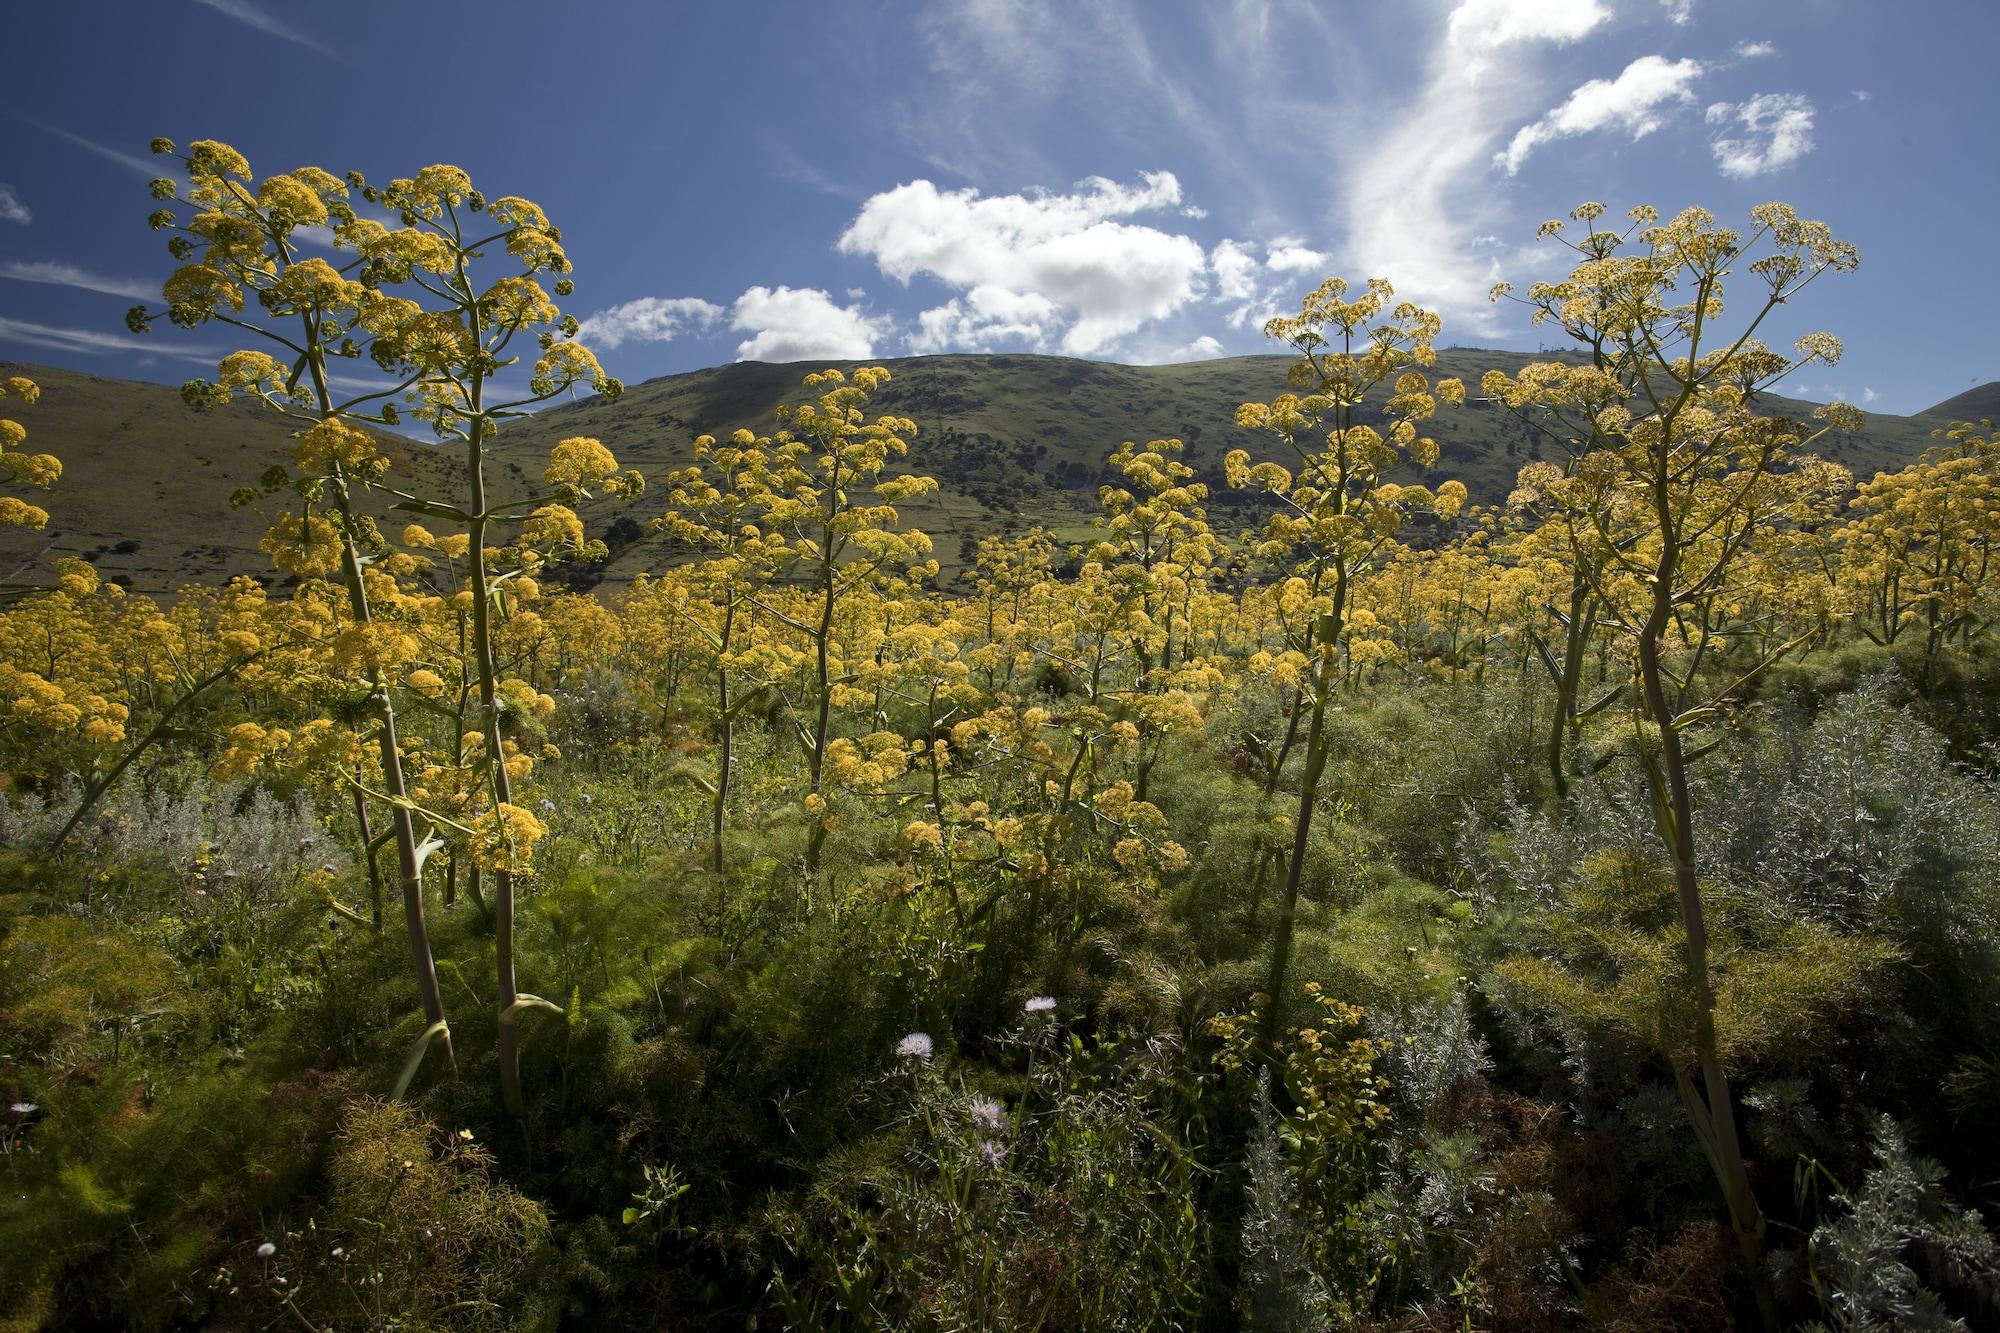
(650, 319)
(1478, 30)
(59, 274)
(1203, 348)
(1770, 131)
(1235, 270)
(1104, 277)
(1246, 283)
(1288, 254)
(1754, 50)
(1638, 102)
(985, 318)
(802, 324)
(11, 207)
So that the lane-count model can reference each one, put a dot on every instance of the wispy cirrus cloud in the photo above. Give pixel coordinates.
(12, 209)
(55, 273)
(149, 168)
(92, 342)
(1414, 204)
(252, 16)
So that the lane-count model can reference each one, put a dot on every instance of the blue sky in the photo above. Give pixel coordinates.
(1136, 180)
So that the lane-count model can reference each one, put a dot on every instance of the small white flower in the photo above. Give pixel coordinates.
(1040, 1004)
(266, 1250)
(917, 1044)
(23, 1108)
(987, 1115)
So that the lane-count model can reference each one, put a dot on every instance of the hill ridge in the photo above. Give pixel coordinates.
(1014, 438)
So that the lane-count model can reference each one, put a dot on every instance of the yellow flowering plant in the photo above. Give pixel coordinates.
(1337, 511)
(40, 471)
(1674, 472)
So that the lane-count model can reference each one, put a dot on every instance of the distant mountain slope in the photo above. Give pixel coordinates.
(1019, 439)
(146, 481)
(1013, 440)
(1980, 404)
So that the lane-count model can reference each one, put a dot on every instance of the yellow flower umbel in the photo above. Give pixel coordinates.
(40, 471)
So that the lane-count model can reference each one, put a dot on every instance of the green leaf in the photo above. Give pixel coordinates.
(415, 1059)
(1617, 691)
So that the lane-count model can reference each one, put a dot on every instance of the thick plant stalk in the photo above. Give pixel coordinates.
(822, 721)
(409, 864)
(726, 722)
(1711, 1108)
(499, 785)
(1576, 636)
(1328, 640)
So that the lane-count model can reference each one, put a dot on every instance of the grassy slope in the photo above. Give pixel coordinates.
(1014, 440)
(1017, 439)
(1980, 404)
(146, 481)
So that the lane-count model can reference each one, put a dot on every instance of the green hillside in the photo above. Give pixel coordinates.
(1980, 404)
(1013, 440)
(1018, 439)
(146, 481)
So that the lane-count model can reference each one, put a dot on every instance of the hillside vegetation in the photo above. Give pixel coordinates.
(1013, 440)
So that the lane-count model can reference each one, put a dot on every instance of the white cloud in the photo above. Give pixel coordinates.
(88, 342)
(1754, 50)
(1203, 348)
(59, 274)
(150, 169)
(650, 319)
(11, 207)
(1413, 196)
(253, 17)
(1235, 270)
(985, 318)
(1477, 29)
(1679, 12)
(1195, 211)
(802, 324)
(1637, 102)
(1776, 130)
(1868, 395)
(1288, 254)
(1863, 95)
(1107, 276)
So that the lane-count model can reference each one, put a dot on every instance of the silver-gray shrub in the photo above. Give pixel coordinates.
(1862, 1262)
(249, 841)
(1862, 818)
(1282, 1290)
